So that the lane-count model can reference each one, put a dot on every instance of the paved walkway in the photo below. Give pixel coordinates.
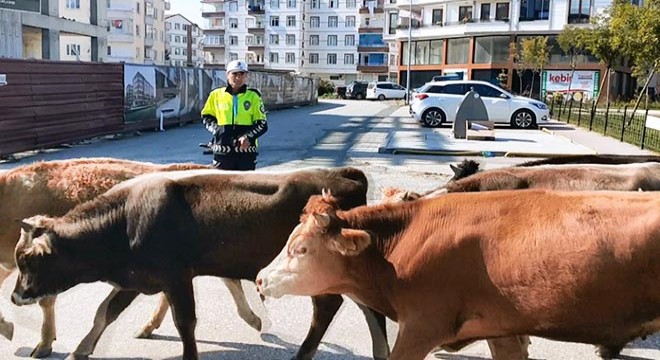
(555, 138)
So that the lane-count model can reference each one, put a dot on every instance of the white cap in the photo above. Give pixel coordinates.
(237, 66)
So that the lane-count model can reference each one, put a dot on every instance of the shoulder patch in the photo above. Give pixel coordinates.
(255, 90)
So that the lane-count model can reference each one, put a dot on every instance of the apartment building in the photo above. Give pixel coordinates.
(53, 29)
(183, 42)
(340, 40)
(136, 31)
(474, 37)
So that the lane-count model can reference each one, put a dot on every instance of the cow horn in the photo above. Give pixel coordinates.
(25, 225)
(326, 193)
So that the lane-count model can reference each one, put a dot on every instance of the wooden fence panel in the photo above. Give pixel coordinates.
(48, 103)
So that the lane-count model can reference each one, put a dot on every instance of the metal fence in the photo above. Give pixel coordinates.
(621, 124)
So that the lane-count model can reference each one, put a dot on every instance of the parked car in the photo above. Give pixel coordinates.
(437, 103)
(382, 90)
(357, 90)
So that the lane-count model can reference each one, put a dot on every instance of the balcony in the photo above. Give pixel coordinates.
(256, 47)
(216, 30)
(213, 46)
(256, 29)
(256, 65)
(370, 30)
(372, 7)
(126, 37)
(213, 14)
(149, 41)
(373, 49)
(373, 69)
(256, 8)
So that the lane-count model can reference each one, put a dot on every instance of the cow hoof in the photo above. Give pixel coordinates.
(609, 352)
(7, 330)
(255, 323)
(143, 334)
(41, 351)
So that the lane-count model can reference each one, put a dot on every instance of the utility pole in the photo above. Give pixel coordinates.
(410, 16)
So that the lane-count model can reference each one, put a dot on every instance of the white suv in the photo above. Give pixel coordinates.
(382, 90)
(437, 102)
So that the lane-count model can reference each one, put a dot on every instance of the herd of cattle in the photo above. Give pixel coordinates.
(452, 266)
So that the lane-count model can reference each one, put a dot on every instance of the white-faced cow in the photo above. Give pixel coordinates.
(582, 267)
(156, 232)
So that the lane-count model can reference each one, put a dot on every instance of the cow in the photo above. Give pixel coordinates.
(582, 267)
(163, 229)
(55, 187)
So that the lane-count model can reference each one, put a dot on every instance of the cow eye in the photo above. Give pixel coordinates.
(299, 250)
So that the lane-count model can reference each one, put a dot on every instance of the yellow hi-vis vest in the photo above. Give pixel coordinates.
(248, 109)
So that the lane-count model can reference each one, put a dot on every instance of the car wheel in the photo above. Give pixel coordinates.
(381, 97)
(523, 119)
(433, 117)
(359, 96)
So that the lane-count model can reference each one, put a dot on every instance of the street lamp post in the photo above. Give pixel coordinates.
(409, 54)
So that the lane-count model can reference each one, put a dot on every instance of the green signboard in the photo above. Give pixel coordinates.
(24, 5)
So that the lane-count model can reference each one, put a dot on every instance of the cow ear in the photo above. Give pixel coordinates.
(25, 225)
(322, 220)
(351, 242)
(455, 169)
(41, 246)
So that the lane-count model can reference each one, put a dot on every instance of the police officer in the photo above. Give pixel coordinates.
(236, 116)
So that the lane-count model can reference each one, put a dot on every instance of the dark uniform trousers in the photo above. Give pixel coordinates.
(234, 161)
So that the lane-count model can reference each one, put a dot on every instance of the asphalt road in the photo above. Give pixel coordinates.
(334, 133)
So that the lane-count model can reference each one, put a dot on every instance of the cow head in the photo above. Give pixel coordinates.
(391, 195)
(315, 258)
(35, 257)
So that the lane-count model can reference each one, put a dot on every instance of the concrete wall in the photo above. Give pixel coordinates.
(11, 38)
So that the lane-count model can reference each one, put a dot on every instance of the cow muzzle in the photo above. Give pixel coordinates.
(20, 300)
(271, 283)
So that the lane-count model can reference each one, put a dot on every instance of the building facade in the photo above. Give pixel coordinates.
(136, 31)
(72, 30)
(474, 36)
(339, 40)
(183, 42)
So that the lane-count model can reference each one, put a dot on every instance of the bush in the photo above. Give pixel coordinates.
(326, 87)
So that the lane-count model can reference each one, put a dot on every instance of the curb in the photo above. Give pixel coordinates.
(553, 133)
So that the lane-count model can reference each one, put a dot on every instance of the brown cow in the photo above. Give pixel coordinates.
(582, 267)
(187, 220)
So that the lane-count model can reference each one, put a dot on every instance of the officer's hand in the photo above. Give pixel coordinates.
(243, 142)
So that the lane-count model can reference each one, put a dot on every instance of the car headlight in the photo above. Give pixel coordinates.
(540, 106)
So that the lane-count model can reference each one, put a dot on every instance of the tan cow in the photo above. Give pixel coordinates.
(581, 267)
(54, 188)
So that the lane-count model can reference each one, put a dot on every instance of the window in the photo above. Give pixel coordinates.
(350, 21)
(177, 26)
(291, 21)
(485, 12)
(274, 39)
(349, 40)
(233, 23)
(332, 40)
(137, 30)
(314, 21)
(332, 21)
(332, 58)
(233, 40)
(502, 11)
(233, 56)
(137, 52)
(436, 52)
(313, 58)
(351, 4)
(464, 13)
(177, 38)
(333, 4)
(290, 39)
(457, 51)
(258, 39)
(274, 21)
(109, 51)
(291, 4)
(137, 10)
(274, 57)
(249, 40)
(579, 11)
(421, 53)
(485, 90)
(349, 59)
(491, 49)
(177, 51)
(290, 58)
(73, 4)
(455, 89)
(436, 17)
(184, 39)
(534, 10)
(168, 26)
(394, 19)
(233, 6)
(314, 40)
(73, 49)
(274, 4)
(315, 4)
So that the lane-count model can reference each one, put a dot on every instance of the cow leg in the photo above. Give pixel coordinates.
(108, 311)
(412, 344)
(325, 308)
(378, 331)
(242, 306)
(510, 347)
(182, 303)
(609, 351)
(45, 346)
(156, 318)
(6, 327)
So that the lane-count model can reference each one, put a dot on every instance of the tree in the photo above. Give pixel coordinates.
(572, 42)
(536, 54)
(514, 55)
(636, 32)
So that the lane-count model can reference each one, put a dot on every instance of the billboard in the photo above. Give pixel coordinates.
(25, 5)
(584, 84)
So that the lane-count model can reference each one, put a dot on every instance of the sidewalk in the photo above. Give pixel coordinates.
(555, 138)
